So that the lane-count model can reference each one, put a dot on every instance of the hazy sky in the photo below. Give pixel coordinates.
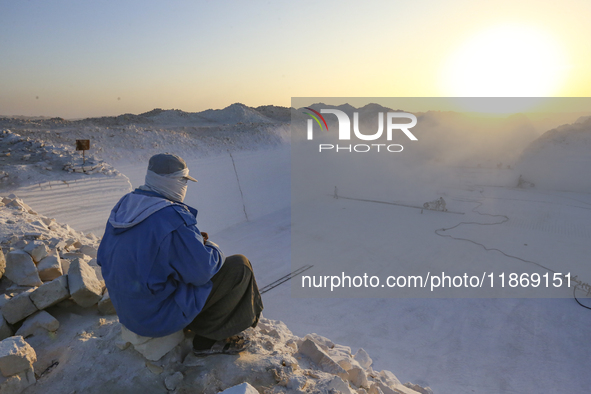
(92, 58)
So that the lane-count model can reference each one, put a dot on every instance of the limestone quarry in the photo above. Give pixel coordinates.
(60, 333)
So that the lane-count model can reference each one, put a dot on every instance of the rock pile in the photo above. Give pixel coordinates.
(16, 364)
(42, 263)
(280, 362)
(16, 151)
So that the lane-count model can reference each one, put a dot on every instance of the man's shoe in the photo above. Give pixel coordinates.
(231, 345)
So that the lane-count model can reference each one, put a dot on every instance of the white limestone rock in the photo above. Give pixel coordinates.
(313, 351)
(17, 203)
(97, 268)
(105, 305)
(16, 355)
(50, 267)
(19, 307)
(88, 251)
(50, 293)
(17, 383)
(21, 269)
(243, 388)
(363, 358)
(321, 341)
(65, 264)
(418, 389)
(358, 377)
(37, 250)
(152, 349)
(39, 320)
(85, 288)
(339, 385)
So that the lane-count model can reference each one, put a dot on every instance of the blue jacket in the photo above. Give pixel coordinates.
(156, 267)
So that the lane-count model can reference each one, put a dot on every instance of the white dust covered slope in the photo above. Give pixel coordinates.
(560, 159)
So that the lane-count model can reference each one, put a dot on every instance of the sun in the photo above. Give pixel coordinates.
(506, 61)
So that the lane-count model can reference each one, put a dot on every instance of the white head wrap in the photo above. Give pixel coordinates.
(172, 186)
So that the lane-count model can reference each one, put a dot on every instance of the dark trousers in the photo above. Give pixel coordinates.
(234, 303)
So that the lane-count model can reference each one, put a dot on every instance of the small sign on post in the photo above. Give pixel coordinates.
(83, 145)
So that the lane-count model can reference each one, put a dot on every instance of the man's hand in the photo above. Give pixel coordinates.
(205, 236)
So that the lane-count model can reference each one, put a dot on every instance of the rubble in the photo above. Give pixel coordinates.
(37, 250)
(312, 350)
(49, 268)
(18, 382)
(85, 288)
(276, 362)
(105, 305)
(19, 307)
(88, 251)
(16, 356)
(51, 293)
(152, 348)
(42, 320)
(21, 269)
(243, 388)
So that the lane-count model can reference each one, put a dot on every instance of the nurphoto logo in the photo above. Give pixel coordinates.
(344, 132)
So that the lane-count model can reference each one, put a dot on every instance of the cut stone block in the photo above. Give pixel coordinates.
(85, 288)
(56, 243)
(16, 384)
(152, 349)
(5, 330)
(16, 355)
(39, 320)
(339, 385)
(243, 388)
(132, 337)
(97, 269)
(70, 242)
(37, 250)
(363, 358)
(18, 204)
(88, 250)
(357, 376)
(313, 351)
(321, 341)
(105, 305)
(418, 389)
(50, 268)
(21, 269)
(65, 264)
(51, 293)
(19, 307)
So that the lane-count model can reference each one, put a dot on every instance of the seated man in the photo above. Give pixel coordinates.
(164, 275)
